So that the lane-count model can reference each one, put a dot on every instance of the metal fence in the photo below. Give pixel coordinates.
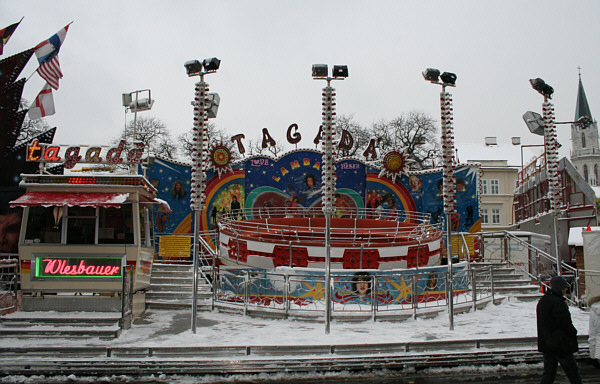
(9, 283)
(384, 295)
(530, 261)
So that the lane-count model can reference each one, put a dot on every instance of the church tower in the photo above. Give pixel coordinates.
(585, 153)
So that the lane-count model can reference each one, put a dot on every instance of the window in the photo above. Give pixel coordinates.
(583, 140)
(44, 225)
(585, 173)
(79, 225)
(494, 187)
(495, 216)
(490, 186)
(484, 216)
(595, 174)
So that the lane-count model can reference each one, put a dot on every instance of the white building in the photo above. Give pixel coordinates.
(501, 164)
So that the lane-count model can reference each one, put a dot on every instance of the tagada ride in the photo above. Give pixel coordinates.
(359, 239)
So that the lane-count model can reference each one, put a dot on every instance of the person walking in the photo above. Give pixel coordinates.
(557, 337)
(594, 331)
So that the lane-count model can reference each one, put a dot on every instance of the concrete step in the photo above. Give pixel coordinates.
(175, 295)
(69, 325)
(171, 280)
(61, 332)
(178, 288)
(505, 283)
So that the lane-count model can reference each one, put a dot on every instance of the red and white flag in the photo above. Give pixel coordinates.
(43, 105)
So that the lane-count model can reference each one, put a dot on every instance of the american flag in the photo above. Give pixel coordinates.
(47, 55)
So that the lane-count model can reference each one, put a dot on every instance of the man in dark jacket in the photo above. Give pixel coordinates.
(557, 337)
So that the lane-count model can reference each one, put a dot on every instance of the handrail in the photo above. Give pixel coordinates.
(10, 279)
(549, 257)
(241, 223)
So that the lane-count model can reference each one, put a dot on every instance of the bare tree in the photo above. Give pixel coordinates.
(415, 131)
(153, 133)
(215, 136)
(30, 128)
(255, 148)
(360, 135)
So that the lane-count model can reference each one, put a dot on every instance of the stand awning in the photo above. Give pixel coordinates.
(87, 199)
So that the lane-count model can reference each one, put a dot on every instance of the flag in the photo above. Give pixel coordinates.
(47, 55)
(6, 33)
(43, 104)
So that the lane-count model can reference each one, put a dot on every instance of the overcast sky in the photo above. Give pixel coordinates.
(267, 50)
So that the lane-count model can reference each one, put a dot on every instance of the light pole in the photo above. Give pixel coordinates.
(320, 72)
(551, 149)
(199, 159)
(136, 105)
(448, 191)
(140, 105)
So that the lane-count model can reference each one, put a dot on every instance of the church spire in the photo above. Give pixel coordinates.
(582, 108)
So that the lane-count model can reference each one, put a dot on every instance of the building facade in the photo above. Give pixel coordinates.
(585, 152)
(500, 165)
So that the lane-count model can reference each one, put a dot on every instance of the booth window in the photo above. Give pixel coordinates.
(84, 225)
(81, 225)
(44, 225)
(115, 225)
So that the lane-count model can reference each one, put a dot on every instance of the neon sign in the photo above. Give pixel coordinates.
(75, 266)
(48, 153)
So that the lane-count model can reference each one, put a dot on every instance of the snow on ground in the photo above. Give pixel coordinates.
(510, 319)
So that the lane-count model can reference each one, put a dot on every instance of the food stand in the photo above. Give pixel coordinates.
(81, 233)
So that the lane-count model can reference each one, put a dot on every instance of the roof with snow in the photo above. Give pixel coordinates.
(496, 150)
(576, 237)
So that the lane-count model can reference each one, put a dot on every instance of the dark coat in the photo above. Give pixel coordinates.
(556, 333)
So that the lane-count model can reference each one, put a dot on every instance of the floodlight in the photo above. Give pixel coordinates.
(213, 105)
(535, 122)
(126, 99)
(340, 71)
(212, 64)
(193, 67)
(431, 74)
(584, 122)
(448, 78)
(319, 70)
(142, 105)
(541, 86)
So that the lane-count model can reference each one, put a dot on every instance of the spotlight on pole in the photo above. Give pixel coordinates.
(432, 74)
(193, 67)
(211, 65)
(319, 70)
(448, 78)
(340, 71)
(541, 86)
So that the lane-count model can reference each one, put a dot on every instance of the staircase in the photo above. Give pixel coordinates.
(508, 281)
(61, 325)
(171, 287)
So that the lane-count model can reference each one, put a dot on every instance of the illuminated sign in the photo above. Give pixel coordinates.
(51, 266)
(48, 153)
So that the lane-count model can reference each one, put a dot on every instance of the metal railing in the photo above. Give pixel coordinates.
(9, 283)
(534, 263)
(388, 294)
(308, 226)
